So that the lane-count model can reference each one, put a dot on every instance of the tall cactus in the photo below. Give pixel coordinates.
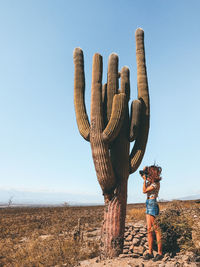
(110, 133)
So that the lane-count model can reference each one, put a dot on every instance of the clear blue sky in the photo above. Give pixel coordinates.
(40, 146)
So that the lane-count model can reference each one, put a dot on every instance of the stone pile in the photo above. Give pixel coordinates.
(135, 240)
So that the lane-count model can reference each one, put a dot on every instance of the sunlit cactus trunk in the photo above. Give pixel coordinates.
(112, 235)
(110, 132)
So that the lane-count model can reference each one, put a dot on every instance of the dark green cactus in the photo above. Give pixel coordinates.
(110, 133)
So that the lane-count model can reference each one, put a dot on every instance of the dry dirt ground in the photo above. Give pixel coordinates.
(179, 261)
(35, 237)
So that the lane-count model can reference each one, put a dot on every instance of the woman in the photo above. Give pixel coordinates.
(151, 187)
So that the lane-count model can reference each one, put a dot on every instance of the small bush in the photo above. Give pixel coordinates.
(176, 229)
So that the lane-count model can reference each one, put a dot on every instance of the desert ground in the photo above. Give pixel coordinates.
(70, 236)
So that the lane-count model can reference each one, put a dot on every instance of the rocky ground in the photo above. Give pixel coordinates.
(136, 245)
(187, 260)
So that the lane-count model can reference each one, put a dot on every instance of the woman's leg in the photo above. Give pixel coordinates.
(158, 237)
(150, 222)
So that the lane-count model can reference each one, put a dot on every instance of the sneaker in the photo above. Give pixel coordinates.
(158, 257)
(148, 256)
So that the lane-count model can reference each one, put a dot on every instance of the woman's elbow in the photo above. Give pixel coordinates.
(144, 191)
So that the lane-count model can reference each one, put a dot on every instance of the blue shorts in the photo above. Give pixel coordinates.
(152, 207)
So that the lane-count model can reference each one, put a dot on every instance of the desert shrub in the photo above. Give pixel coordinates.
(176, 229)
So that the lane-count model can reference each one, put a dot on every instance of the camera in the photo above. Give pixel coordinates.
(145, 173)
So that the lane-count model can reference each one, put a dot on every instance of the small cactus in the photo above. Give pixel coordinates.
(110, 132)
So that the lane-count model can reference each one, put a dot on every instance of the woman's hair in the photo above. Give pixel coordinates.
(154, 172)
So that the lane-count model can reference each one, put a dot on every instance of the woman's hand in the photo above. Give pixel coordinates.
(144, 177)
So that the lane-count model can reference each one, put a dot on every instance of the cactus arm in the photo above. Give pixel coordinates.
(104, 90)
(117, 116)
(104, 102)
(96, 92)
(142, 82)
(79, 95)
(125, 82)
(100, 151)
(136, 108)
(139, 147)
(112, 82)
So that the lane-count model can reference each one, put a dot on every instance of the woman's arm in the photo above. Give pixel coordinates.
(146, 188)
(144, 184)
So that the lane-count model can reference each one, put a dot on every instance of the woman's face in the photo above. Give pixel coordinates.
(154, 172)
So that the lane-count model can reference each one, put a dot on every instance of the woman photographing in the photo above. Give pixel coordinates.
(151, 187)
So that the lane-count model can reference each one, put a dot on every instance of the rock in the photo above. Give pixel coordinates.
(192, 264)
(190, 257)
(166, 258)
(140, 234)
(127, 243)
(124, 256)
(131, 248)
(125, 251)
(197, 258)
(139, 224)
(129, 238)
(133, 232)
(135, 255)
(138, 250)
(136, 241)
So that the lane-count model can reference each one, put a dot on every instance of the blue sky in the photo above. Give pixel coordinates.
(40, 146)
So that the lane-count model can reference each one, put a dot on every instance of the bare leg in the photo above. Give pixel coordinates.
(158, 238)
(150, 222)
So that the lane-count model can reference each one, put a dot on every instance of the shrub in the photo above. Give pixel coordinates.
(176, 229)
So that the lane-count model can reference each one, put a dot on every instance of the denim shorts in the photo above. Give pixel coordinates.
(152, 207)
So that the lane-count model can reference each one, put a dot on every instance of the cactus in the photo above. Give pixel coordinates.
(110, 133)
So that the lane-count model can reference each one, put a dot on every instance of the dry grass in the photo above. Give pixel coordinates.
(43, 236)
(136, 214)
(48, 252)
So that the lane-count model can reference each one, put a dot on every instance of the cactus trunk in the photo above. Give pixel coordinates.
(112, 236)
(110, 133)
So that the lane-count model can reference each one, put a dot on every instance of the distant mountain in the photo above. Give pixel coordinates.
(17, 197)
(192, 197)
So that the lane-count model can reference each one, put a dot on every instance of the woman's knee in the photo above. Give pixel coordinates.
(157, 229)
(150, 229)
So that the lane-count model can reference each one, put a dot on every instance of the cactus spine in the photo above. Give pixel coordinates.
(110, 133)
